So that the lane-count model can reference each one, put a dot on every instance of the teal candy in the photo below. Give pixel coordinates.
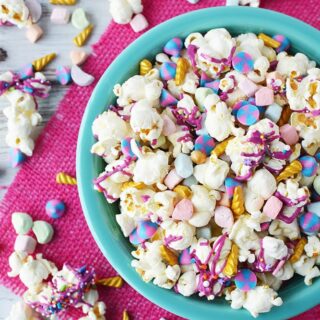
(191, 181)
(183, 165)
(314, 207)
(101, 216)
(273, 112)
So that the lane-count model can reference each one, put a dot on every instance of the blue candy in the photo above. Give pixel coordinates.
(173, 47)
(16, 157)
(309, 166)
(309, 223)
(168, 71)
(183, 165)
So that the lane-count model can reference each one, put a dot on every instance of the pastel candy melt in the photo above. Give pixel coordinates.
(183, 165)
(248, 115)
(60, 15)
(144, 231)
(25, 244)
(126, 147)
(223, 217)
(213, 85)
(316, 185)
(35, 9)
(264, 96)
(185, 257)
(248, 87)
(284, 42)
(169, 126)
(273, 112)
(167, 99)
(78, 57)
(22, 222)
(26, 71)
(272, 207)
(242, 62)
(16, 157)
(168, 70)
(80, 77)
(173, 47)
(79, 19)
(139, 23)
(43, 231)
(63, 75)
(204, 144)
(309, 223)
(34, 33)
(245, 280)
(289, 134)
(230, 184)
(55, 208)
(183, 210)
(309, 166)
(314, 207)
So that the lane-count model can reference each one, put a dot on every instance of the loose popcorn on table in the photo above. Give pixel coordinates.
(213, 154)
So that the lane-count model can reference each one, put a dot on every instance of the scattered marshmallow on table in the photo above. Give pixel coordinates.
(139, 23)
(34, 33)
(215, 161)
(60, 15)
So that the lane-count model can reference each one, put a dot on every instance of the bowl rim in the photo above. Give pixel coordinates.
(167, 299)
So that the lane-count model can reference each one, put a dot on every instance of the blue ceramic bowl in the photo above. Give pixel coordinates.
(100, 216)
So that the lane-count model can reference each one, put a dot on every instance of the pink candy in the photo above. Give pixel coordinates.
(289, 134)
(223, 217)
(169, 126)
(34, 33)
(264, 96)
(60, 15)
(183, 210)
(225, 200)
(248, 87)
(272, 207)
(172, 179)
(25, 243)
(139, 23)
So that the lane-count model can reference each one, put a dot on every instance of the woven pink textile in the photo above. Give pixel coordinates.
(55, 151)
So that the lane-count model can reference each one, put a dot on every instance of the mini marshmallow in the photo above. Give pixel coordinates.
(289, 134)
(139, 23)
(183, 210)
(273, 112)
(172, 179)
(43, 231)
(223, 217)
(78, 57)
(25, 243)
(60, 15)
(248, 87)
(34, 33)
(22, 222)
(272, 207)
(264, 96)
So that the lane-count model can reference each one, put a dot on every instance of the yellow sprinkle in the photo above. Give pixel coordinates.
(83, 36)
(41, 63)
(220, 148)
(181, 71)
(183, 191)
(132, 184)
(63, 178)
(237, 204)
(115, 282)
(125, 315)
(145, 66)
(268, 41)
(168, 256)
(231, 267)
(64, 2)
(290, 170)
(298, 250)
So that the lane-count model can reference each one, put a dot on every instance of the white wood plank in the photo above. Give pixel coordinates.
(56, 38)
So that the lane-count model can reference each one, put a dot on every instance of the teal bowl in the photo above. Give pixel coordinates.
(100, 216)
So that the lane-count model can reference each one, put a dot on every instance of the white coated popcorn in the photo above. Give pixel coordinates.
(281, 229)
(146, 121)
(187, 283)
(305, 266)
(21, 311)
(123, 10)
(312, 248)
(291, 191)
(274, 249)
(163, 204)
(286, 272)
(15, 12)
(263, 183)
(151, 167)
(253, 202)
(212, 173)
(179, 144)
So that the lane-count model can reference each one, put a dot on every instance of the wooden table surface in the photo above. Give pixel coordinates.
(56, 38)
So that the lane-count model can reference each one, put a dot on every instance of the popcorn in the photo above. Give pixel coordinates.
(21, 311)
(274, 249)
(290, 193)
(305, 266)
(15, 12)
(263, 183)
(282, 229)
(312, 248)
(187, 283)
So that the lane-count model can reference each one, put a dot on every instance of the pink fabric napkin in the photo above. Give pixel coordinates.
(55, 151)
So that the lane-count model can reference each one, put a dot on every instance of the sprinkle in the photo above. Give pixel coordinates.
(42, 62)
(115, 282)
(83, 36)
(64, 178)
(268, 41)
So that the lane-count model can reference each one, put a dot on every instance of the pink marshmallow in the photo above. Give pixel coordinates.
(25, 243)
(272, 207)
(223, 217)
(172, 179)
(248, 87)
(169, 126)
(183, 210)
(264, 97)
(34, 33)
(139, 23)
(60, 15)
(289, 134)
(225, 200)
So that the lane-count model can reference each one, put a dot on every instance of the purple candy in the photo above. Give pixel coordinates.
(284, 42)
(309, 166)
(185, 257)
(309, 223)
(230, 184)
(144, 231)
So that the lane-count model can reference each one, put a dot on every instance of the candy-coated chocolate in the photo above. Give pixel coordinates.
(242, 62)
(26, 71)
(205, 144)
(245, 280)
(168, 70)
(126, 147)
(185, 257)
(314, 207)
(248, 115)
(284, 42)
(230, 184)
(16, 157)
(167, 99)
(309, 166)
(55, 208)
(173, 47)
(309, 223)
(144, 231)
(63, 75)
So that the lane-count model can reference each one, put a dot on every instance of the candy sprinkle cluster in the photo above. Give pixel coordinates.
(212, 152)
